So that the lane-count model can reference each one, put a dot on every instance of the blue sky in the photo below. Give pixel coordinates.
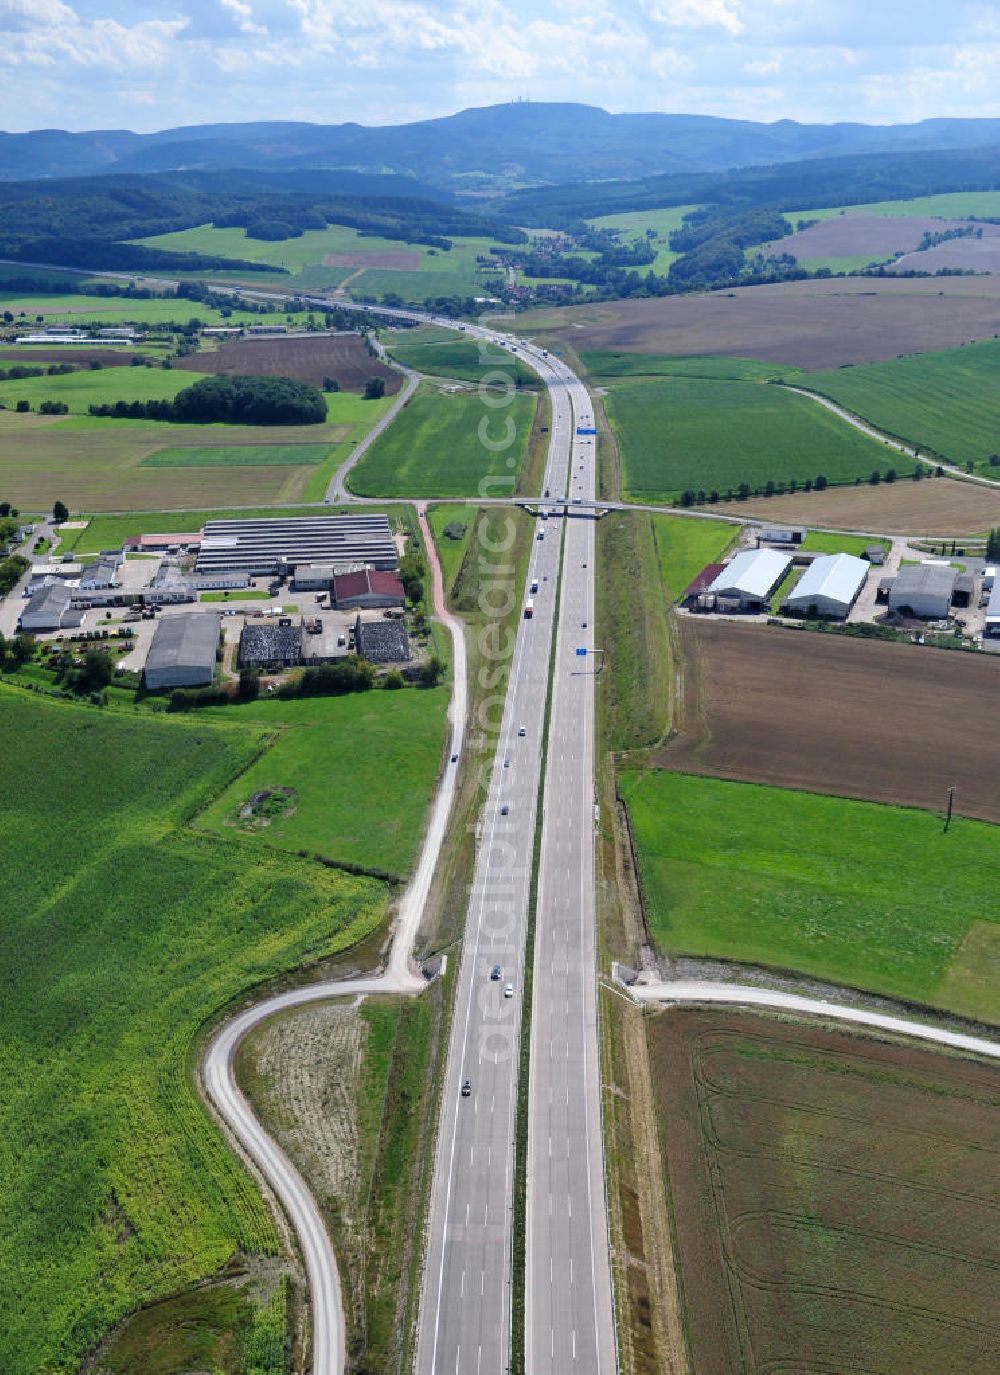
(151, 64)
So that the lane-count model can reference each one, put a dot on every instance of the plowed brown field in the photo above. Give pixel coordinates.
(812, 324)
(835, 1200)
(855, 718)
(877, 236)
(307, 357)
(400, 261)
(936, 506)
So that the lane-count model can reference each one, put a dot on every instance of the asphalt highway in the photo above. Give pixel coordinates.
(569, 1323)
(465, 1321)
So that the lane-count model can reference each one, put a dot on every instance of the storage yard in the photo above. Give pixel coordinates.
(824, 713)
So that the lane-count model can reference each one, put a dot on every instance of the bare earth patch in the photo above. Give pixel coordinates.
(306, 357)
(966, 255)
(854, 236)
(936, 506)
(812, 324)
(829, 714)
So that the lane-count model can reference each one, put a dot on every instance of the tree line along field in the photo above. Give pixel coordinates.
(679, 434)
(831, 1198)
(358, 260)
(123, 933)
(946, 403)
(435, 447)
(93, 463)
(876, 897)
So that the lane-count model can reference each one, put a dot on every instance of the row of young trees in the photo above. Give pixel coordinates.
(744, 490)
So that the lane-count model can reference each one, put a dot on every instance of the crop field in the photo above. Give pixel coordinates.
(876, 897)
(963, 255)
(603, 365)
(351, 762)
(811, 325)
(111, 310)
(820, 740)
(95, 464)
(831, 1198)
(946, 403)
(338, 255)
(950, 205)
(33, 355)
(238, 456)
(435, 447)
(845, 242)
(309, 358)
(459, 358)
(79, 389)
(686, 433)
(123, 932)
(935, 506)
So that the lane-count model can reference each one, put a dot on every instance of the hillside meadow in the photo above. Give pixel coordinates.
(123, 933)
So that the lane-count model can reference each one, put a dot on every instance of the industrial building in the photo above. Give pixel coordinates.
(829, 587)
(49, 609)
(991, 628)
(262, 547)
(747, 581)
(270, 647)
(924, 589)
(382, 642)
(318, 577)
(781, 534)
(371, 587)
(183, 651)
(99, 576)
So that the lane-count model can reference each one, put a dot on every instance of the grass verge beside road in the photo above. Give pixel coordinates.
(876, 897)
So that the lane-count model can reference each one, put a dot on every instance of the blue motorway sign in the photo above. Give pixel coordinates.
(584, 429)
(581, 653)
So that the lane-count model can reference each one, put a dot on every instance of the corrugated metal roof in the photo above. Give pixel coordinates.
(928, 578)
(752, 574)
(993, 605)
(185, 641)
(834, 576)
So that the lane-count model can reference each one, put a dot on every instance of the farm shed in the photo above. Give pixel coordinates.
(874, 553)
(275, 545)
(751, 577)
(965, 589)
(925, 589)
(99, 576)
(382, 642)
(267, 646)
(318, 577)
(48, 609)
(368, 588)
(829, 586)
(183, 651)
(991, 627)
(781, 534)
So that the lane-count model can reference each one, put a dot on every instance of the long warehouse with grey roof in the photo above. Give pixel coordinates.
(275, 546)
(829, 587)
(183, 651)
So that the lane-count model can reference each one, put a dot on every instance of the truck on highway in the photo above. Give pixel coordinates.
(529, 609)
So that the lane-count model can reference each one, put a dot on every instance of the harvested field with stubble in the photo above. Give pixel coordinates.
(935, 506)
(401, 261)
(875, 237)
(306, 357)
(812, 324)
(829, 714)
(833, 1198)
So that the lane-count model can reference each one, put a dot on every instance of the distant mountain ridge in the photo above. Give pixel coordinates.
(487, 149)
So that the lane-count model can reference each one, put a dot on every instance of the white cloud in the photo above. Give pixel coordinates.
(699, 14)
(242, 16)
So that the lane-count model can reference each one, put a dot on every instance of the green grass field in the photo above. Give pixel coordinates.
(451, 552)
(634, 224)
(437, 446)
(950, 205)
(238, 456)
(118, 310)
(684, 545)
(947, 402)
(687, 433)
(122, 934)
(362, 768)
(80, 389)
(459, 358)
(605, 363)
(872, 896)
(823, 543)
(435, 272)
